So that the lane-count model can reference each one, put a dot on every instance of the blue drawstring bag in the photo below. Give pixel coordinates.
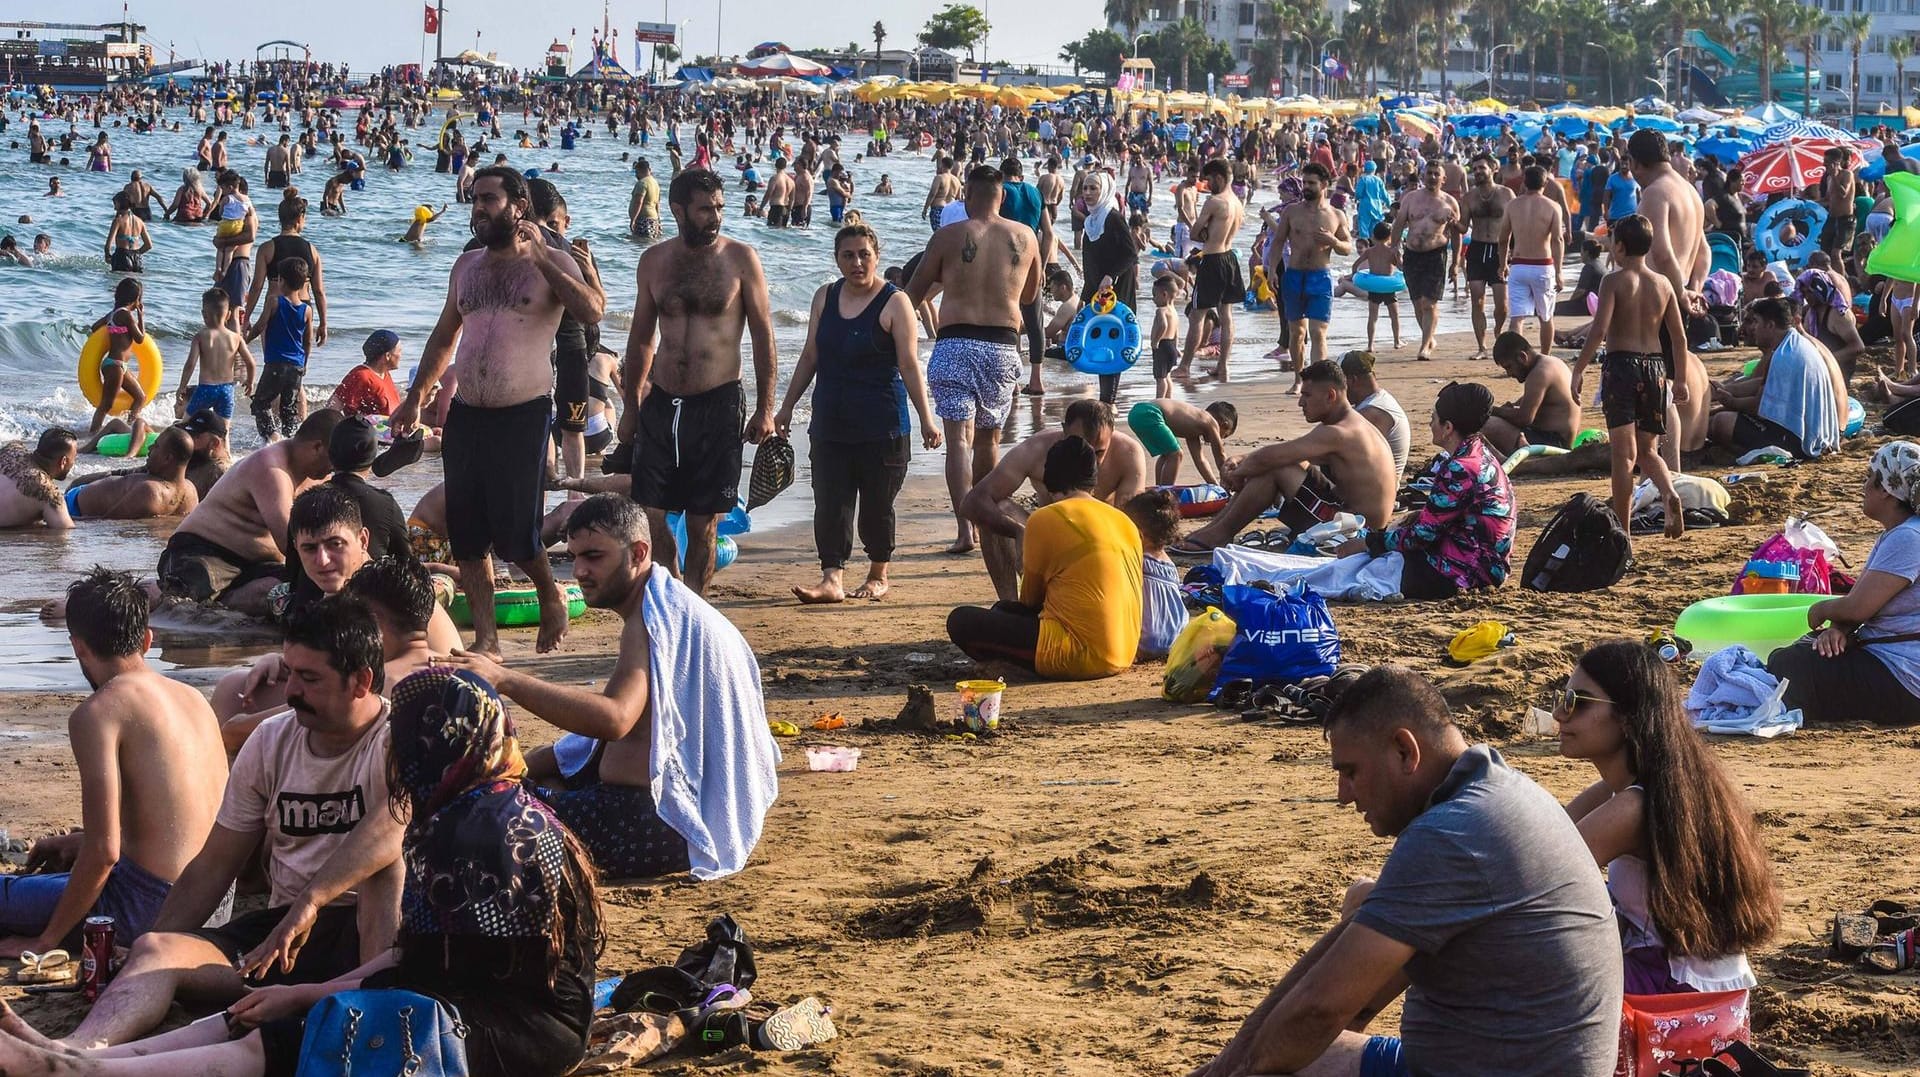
(1282, 637)
(376, 1033)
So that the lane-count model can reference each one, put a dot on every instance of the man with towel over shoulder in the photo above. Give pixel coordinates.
(671, 767)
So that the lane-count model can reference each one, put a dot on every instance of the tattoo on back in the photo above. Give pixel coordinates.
(1018, 243)
(970, 251)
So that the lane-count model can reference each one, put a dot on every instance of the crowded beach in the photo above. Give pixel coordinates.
(1190, 710)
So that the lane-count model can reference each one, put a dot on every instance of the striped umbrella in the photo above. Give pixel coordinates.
(1804, 129)
(1789, 166)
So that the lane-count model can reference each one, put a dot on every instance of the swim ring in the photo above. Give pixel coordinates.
(116, 444)
(1813, 217)
(1198, 499)
(1747, 368)
(1589, 435)
(517, 606)
(1856, 418)
(1898, 255)
(1103, 342)
(1380, 284)
(725, 550)
(1528, 452)
(1761, 623)
(146, 361)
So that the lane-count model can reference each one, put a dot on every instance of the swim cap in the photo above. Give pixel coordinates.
(422, 214)
(380, 342)
(1896, 469)
(1368, 167)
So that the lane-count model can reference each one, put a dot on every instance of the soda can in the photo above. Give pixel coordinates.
(96, 956)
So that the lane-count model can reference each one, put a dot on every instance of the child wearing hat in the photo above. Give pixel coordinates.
(368, 388)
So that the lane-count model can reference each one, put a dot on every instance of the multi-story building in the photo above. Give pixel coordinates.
(1235, 22)
(1892, 19)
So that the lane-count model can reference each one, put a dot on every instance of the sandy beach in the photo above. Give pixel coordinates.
(1109, 883)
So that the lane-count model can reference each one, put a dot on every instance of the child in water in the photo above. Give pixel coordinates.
(1165, 335)
(422, 216)
(1382, 259)
(1157, 514)
(126, 326)
(214, 351)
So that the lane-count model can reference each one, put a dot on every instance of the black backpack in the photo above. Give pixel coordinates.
(1583, 548)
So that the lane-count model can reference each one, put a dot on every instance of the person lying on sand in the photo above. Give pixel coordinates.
(1487, 914)
(160, 488)
(1546, 413)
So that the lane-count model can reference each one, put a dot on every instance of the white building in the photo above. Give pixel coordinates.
(1235, 22)
(1891, 19)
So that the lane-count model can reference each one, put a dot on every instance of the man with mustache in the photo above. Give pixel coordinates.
(511, 296)
(685, 412)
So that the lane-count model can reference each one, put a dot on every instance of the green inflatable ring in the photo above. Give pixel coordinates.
(1588, 436)
(1760, 623)
(518, 606)
(116, 444)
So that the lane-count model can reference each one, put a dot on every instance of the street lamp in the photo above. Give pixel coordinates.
(1668, 55)
(1137, 39)
(1491, 54)
(1609, 58)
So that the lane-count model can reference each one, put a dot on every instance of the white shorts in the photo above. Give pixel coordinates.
(1878, 225)
(1182, 240)
(1530, 291)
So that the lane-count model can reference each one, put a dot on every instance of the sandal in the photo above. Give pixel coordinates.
(800, 1026)
(1897, 952)
(52, 967)
(1189, 549)
(1855, 933)
(1747, 1062)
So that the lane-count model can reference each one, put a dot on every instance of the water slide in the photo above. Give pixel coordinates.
(1739, 81)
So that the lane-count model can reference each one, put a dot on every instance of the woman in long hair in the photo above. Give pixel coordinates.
(1685, 863)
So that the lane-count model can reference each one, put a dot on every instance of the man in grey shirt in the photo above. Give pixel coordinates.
(1489, 914)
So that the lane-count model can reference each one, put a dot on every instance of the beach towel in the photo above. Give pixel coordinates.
(713, 757)
(1735, 694)
(1799, 395)
(1356, 578)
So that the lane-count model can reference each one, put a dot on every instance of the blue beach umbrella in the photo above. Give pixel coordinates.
(1725, 149)
(1479, 125)
(1655, 123)
(1877, 168)
(1802, 130)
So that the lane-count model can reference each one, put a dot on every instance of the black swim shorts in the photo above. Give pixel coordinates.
(1552, 438)
(1316, 502)
(570, 389)
(1751, 432)
(1483, 263)
(203, 570)
(1165, 357)
(332, 948)
(1426, 274)
(1633, 391)
(495, 461)
(1217, 281)
(687, 453)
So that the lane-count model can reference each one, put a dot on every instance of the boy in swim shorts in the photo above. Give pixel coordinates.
(1162, 424)
(214, 351)
(1165, 335)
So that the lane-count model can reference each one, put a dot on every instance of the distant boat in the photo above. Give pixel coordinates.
(73, 56)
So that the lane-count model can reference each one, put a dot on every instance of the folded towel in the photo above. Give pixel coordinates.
(1355, 578)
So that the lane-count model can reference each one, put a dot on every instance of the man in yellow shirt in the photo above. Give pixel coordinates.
(1080, 597)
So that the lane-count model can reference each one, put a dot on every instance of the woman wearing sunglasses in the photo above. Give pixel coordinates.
(1685, 864)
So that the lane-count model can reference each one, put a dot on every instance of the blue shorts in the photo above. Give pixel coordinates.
(73, 510)
(218, 397)
(1307, 293)
(132, 897)
(1384, 1057)
(1137, 201)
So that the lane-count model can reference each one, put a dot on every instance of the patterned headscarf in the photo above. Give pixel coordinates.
(483, 855)
(1896, 469)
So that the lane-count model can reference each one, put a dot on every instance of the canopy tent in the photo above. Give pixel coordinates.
(694, 74)
(783, 63)
(602, 69)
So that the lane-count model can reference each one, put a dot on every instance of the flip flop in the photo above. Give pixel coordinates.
(1188, 549)
(52, 967)
(800, 1026)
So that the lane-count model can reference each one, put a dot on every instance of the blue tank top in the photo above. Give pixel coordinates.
(286, 339)
(857, 394)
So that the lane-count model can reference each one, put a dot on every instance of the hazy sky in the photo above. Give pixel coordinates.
(370, 33)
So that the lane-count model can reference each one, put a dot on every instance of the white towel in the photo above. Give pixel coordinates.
(713, 757)
(1355, 578)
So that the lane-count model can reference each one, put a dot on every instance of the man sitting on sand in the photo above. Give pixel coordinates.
(1341, 465)
(29, 481)
(992, 504)
(1162, 424)
(1377, 406)
(228, 549)
(682, 713)
(1488, 914)
(1796, 398)
(309, 782)
(158, 489)
(1546, 413)
(151, 775)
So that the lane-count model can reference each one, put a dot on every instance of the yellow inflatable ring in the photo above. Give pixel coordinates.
(146, 358)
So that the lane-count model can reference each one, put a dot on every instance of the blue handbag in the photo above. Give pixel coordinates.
(1281, 637)
(383, 1033)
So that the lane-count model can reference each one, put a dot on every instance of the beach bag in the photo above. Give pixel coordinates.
(377, 1033)
(1583, 548)
(1801, 545)
(1903, 418)
(1280, 637)
(1659, 1032)
(724, 958)
(772, 471)
(1193, 662)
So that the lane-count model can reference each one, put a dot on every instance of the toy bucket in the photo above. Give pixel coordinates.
(980, 703)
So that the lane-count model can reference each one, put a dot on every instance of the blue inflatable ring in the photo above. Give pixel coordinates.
(1380, 284)
(1856, 418)
(1768, 240)
(1103, 343)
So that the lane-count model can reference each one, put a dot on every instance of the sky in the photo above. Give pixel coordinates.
(373, 33)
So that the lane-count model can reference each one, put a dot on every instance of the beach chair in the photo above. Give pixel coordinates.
(1726, 252)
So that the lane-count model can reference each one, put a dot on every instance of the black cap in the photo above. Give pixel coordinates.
(205, 421)
(353, 445)
(405, 450)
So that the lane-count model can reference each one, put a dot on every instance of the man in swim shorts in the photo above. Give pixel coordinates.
(1536, 227)
(1485, 206)
(987, 268)
(1546, 413)
(239, 272)
(1425, 226)
(1162, 424)
(511, 294)
(1308, 234)
(160, 488)
(703, 293)
(1217, 283)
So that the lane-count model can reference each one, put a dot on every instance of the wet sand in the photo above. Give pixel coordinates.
(1110, 883)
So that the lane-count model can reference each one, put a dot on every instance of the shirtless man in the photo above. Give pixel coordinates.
(1424, 226)
(1003, 520)
(1217, 283)
(228, 549)
(779, 197)
(1341, 465)
(280, 164)
(1186, 205)
(1310, 233)
(1053, 189)
(239, 272)
(151, 777)
(945, 188)
(504, 304)
(1139, 187)
(684, 412)
(161, 488)
(1454, 182)
(1680, 254)
(1837, 192)
(212, 456)
(987, 268)
(1485, 207)
(1546, 413)
(29, 481)
(1161, 425)
(140, 196)
(800, 210)
(1536, 228)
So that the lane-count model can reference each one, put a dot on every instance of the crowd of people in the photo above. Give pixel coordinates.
(1654, 880)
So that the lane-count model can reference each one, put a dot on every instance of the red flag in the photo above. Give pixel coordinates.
(433, 20)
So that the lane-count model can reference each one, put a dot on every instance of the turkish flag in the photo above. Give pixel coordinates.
(433, 20)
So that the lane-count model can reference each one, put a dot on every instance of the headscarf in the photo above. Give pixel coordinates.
(483, 855)
(1896, 469)
(1100, 207)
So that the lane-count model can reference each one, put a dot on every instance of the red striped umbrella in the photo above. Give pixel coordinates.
(1790, 166)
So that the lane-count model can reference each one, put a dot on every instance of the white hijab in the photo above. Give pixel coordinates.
(1099, 207)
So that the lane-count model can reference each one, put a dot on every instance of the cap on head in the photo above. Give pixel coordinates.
(205, 421)
(380, 342)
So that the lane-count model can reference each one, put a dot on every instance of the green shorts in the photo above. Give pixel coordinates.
(1149, 424)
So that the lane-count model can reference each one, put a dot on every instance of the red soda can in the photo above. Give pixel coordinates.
(96, 956)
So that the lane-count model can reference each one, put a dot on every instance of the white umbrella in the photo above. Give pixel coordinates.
(784, 63)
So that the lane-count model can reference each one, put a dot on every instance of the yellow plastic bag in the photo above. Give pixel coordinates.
(1194, 659)
(1478, 642)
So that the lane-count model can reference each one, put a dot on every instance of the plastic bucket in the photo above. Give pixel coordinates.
(980, 704)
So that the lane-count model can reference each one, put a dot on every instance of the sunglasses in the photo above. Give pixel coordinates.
(1569, 700)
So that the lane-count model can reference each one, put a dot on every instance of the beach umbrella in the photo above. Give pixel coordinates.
(1568, 125)
(1727, 150)
(1773, 112)
(1696, 114)
(1648, 123)
(1415, 125)
(1651, 103)
(784, 63)
(1877, 168)
(1789, 166)
(1798, 130)
(1479, 125)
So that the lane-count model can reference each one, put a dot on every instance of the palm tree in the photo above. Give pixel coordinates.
(879, 36)
(1128, 13)
(1900, 50)
(1806, 25)
(1770, 22)
(1855, 28)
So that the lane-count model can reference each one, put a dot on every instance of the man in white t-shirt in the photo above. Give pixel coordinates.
(307, 781)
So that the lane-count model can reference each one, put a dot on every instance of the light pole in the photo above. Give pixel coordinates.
(1491, 54)
(1137, 39)
(1609, 59)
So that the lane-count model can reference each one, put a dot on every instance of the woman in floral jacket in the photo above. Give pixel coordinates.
(1463, 538)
